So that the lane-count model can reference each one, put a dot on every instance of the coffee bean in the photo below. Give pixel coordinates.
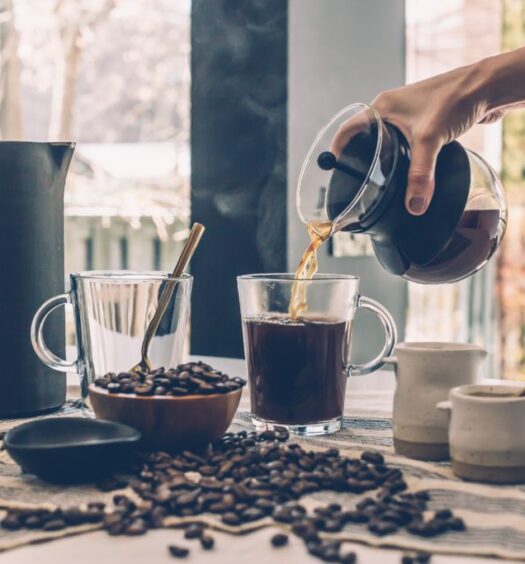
(252, 514)
(137, 527)
(143, 390)
(382, 528)
(267, 436)
(397, 486)
(373, 457)
(33, 522)
(443, 514)
(265, 504)
(11, 522)
(407, 559)
(282, 515)
(178, 551)
(329, 554)
(207, 542)
(456, 524)
(54, 525)
(93, 516)
(279, 540)
(333, 526)
(423, 557)
(194, 532)
(188, 499)
(231, 519)
(348, 558)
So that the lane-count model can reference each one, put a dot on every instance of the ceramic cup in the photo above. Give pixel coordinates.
(487, 442)
(425, 372)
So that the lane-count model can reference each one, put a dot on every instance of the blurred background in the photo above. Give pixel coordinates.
(203, 110)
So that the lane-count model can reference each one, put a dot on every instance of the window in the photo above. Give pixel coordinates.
(113, 76)
(489, 307)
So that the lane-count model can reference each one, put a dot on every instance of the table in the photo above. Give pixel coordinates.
(375, 392)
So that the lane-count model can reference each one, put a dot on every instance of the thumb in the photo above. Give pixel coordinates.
(420, 187)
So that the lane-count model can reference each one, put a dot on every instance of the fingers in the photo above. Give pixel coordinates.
(420, 187)
(359, 122)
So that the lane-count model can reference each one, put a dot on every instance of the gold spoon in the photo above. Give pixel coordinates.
(187, 252)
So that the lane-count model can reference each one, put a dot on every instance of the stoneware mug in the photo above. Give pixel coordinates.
(487, 442)
(425, 372)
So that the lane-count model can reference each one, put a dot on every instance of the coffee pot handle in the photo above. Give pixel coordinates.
(389, 326)
(37, 335)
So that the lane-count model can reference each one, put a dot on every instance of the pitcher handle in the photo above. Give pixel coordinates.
(390, 338)
(37, 335)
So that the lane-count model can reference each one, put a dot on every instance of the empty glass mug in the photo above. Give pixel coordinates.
(297, 368)
(112, 311)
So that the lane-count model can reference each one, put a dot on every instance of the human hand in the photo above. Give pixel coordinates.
(430, 114)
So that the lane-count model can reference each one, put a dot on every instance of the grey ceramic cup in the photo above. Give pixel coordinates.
(486, 436)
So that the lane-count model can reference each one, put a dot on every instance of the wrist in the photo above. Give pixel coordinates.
(498, 86)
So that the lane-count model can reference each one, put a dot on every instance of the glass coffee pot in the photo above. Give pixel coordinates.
(361, 188)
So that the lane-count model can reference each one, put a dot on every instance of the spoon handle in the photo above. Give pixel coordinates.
(187, 252)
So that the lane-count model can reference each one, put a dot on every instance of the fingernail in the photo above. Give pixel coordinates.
(417, 204)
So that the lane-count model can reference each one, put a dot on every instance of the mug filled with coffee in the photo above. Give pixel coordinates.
(297, 335)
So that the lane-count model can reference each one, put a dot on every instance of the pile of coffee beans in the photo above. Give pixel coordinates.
(192, 378)
(245, 477)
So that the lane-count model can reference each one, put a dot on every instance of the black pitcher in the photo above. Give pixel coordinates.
(32, 179)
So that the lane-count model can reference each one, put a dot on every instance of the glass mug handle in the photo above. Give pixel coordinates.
(37, 335)
(389, 326)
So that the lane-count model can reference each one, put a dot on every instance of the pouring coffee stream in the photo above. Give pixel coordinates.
(187, 252)
(319, 232)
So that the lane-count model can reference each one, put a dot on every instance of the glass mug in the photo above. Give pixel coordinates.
(297, 369)
(112, 310)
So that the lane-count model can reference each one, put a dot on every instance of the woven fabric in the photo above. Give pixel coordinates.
(495, 515)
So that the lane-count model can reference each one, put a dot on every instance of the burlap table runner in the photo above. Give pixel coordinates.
(495, 515)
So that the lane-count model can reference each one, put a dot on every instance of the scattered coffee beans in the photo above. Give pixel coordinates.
(51, 520)
(207, 542)
(348, 558)
(246, 476)
(194, 532)
(279, 540)
(178, 551)
(192, 378)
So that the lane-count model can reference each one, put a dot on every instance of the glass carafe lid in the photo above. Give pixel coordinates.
(344, 183)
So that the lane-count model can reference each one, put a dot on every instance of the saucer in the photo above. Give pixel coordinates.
(71, 449)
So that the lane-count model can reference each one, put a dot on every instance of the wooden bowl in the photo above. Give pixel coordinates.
(168, 422)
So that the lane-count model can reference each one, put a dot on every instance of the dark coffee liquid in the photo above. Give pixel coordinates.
(472, 244)
(296, 368)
